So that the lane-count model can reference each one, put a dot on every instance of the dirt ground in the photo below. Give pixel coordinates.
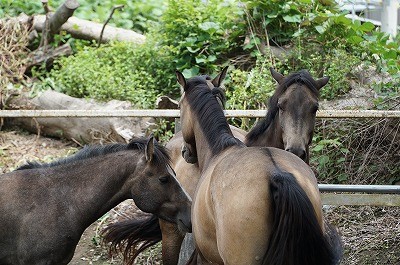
(371, 235)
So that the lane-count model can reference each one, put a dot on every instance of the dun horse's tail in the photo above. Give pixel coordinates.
(125, 237)
(297, 237)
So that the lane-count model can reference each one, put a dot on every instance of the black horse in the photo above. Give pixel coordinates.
(45, 208)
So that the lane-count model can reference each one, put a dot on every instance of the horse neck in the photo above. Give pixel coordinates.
(271, 137)
(105, 185)
(204, 151)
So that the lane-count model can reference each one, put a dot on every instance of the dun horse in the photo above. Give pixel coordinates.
(252, 205)
(288, 125)
(46, 207)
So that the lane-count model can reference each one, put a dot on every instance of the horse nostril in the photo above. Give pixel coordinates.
(303, 154)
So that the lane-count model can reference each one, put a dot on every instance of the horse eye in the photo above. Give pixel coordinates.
(164, 179)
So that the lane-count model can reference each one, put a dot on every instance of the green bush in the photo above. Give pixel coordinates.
(337, 63)
(13, 8)
(116, 71)
(201, 33)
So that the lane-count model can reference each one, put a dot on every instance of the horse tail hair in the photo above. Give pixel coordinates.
(131, 237)
(297, 237)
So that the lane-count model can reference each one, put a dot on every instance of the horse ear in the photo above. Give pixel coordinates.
(181, 79)
(149, 150)
(276, 75)
(217, 81)
(322, 82)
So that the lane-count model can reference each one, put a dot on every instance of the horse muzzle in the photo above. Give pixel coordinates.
(188, 156)
(300, 152)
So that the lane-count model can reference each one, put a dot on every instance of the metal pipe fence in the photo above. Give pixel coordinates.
(175, 113)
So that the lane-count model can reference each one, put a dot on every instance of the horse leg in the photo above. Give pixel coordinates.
(171, 242)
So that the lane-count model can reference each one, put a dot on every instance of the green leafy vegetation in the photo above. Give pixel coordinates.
(116, 71)
(201, 33)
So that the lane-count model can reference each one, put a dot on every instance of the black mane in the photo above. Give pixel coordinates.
(161, 155)
(300, 77)
(205, 105)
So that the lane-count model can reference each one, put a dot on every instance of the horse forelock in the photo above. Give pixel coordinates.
(161, 155)
(300, 77)
(208, 111)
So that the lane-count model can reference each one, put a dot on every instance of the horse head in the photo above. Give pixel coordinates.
(189, 152)
(295, 102)
(156, 189)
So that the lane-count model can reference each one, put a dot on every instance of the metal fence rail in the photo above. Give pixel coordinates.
(175, 113)
(373, 195)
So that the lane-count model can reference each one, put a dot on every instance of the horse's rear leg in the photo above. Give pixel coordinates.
(171, 242)
(242, 231)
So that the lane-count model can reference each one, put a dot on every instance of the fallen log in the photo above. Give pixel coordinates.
(79, 130)
(88, 30)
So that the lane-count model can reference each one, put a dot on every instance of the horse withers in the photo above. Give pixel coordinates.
(45, 208)
(252, 205)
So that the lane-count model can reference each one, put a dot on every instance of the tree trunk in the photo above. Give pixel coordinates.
(80, 130)
(88, 30)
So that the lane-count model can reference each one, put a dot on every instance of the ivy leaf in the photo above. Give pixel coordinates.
(320, 29)
(342, 177)
(323, 160)
(191, 72)
(200, 60)
(318, 148)
(212, 58)
(293, 18)
(190, 49)
(367, 27)
(209, 27)
(392, 54)
(355, 39)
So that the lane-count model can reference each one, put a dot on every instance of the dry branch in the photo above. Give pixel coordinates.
(54, 21)
(14, 39)
(63, 13)
(108, 20)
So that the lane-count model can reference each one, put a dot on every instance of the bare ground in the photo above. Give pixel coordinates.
(371, 235)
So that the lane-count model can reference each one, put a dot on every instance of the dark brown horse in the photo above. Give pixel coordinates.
(290, 119)
(252, 205)
(46, 207)
(288, 124)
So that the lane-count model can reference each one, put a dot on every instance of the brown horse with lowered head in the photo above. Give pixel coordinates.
(45, 208)
(252, 205)
(295, 99)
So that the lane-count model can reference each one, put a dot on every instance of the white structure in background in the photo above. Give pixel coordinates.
(383, 13)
